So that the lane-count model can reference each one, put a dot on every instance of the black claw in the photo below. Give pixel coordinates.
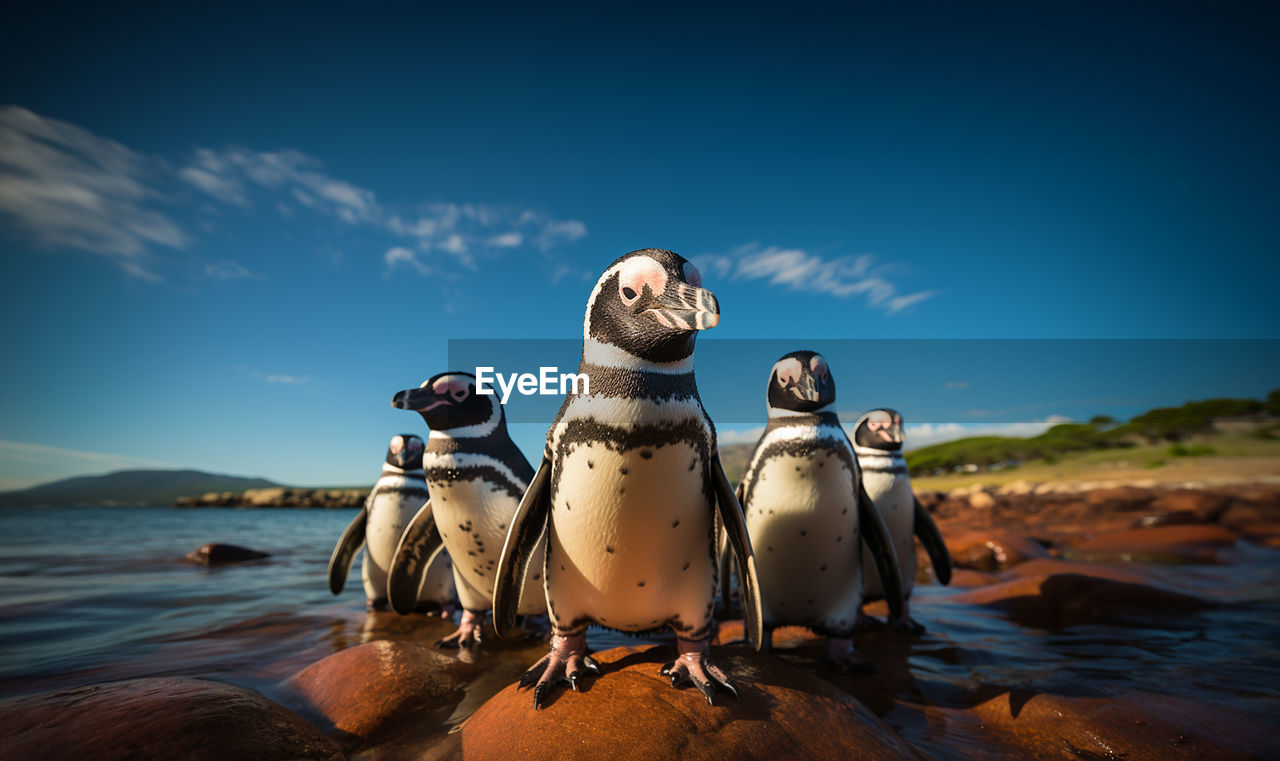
(591, 664)
(539, 693)
(675, 679)
(728, 687)
(573, 681)
(666, 670)
(708, 691)
(534, 673)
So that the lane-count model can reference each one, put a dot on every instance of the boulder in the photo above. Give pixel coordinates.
(1121, 497)
(1139, 727)
(981, 501)
(160, 719)
(630, 712)
(275, 495)
(982, 551)
(1186, 543)
(362, 692)
(1051, 566)
(1067, 599)
(221, 554)
(1206, 505)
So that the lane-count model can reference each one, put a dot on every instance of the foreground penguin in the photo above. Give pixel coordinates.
(877, 440)
(397, 495)
(630, 486)
(808, 514)
(476, 475)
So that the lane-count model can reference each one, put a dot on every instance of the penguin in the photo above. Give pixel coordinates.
(877, 441)
(808, 514)
(476, 476)
(630, 488)
(396, 497)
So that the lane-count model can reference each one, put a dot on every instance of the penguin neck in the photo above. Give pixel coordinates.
(601, 354)
(826, 410)
(394, 470)
(824, 416)
(495, 425)
(864, 451)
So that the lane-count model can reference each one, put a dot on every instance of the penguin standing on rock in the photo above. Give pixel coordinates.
(877, 440)
(808, 513)
(630, 487)
(397, 495)
(476, 475)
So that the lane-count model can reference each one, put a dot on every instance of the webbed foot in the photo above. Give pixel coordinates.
(468, 632)
(840, 657)
(693, 664)
(567, 663)
(907, 625)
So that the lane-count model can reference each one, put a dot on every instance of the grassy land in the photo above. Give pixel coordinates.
(1237, 457)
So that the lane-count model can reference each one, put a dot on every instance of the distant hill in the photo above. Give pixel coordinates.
(128, 487)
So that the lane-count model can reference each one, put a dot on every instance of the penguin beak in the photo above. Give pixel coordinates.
(807, 388)
(686, 308)
(417, 399)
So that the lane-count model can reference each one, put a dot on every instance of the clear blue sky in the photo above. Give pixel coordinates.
(230, 233)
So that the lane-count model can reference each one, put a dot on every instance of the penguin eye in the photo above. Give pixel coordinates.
(628, 294)
(460, 394)
(636, 275)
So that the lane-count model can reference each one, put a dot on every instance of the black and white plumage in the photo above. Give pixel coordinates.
(808, 514)
(398, 494)
(877, 441)
(630, 486)
(476, 476)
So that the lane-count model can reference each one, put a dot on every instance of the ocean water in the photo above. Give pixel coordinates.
(94, 594)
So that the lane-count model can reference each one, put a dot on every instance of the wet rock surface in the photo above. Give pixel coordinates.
(222, 554)
(159, 719)
(629, 712)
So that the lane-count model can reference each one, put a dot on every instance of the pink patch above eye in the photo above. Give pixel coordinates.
(788, 371)
(450, 386)
(819, 366)
(638, 273)
(879, 421)
(397, 443)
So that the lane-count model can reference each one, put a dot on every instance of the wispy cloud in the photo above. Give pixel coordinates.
(289, 380)
(800, 270)
(68, 188)
(955, 385)
(65, 187)
(23, 464)
(924, 434)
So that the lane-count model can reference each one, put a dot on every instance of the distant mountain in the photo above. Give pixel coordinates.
(128, 487)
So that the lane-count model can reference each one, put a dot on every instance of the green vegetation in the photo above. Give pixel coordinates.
(1165, 424)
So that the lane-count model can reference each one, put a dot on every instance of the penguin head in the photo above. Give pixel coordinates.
(650, 304)
(449, 401)
(801, 382)
(405, 451)
(879, 429)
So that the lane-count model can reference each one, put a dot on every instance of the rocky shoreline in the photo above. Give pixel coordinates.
(1040, 562)
(280, 496)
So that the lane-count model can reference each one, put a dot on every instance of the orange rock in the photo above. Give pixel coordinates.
(361, 692)
(1121, 497)
(963, 577)
(1070, 598)
(1158, 543)
(629, 712)
(982, 551)
(145, 719)
(1206, 505)
(1140, 727)
(1050, 566)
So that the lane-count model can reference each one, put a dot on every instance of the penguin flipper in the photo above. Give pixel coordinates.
(933, 543)
(877, 538)
(523, 537)
(735, 527)
(344, 552)
(418, 546)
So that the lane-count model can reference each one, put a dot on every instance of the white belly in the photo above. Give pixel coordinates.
(631, 540)
(894, 500)
(472, 516)
(802, 517)
(389, 514)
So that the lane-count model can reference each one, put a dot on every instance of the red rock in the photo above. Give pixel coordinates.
(1066, 599)
(963, 577)
(1140, 727)
(363, 691)
(1121, 498)
(1158, 543)
(1050, 566)
(982, 551)
(1206, 505)
(161, 719)
(629, 712)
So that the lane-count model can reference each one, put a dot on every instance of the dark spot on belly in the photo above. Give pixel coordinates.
(622, 490)
(471, 552)
(782, 604)
(623, 471)
(502, 527)
(646, 454)
(462, 526)
(639, 583)
(676, 523)
(686, 567)
(822, 568)
(537, 576)
(803, 532)
(566, 506)
(562, 568)
(838, 538)
(444, 499)
(609, 550)
(821, 464)
(693, 463)
(797, 468)
(770, 548)
(811, 601)
(844, 511)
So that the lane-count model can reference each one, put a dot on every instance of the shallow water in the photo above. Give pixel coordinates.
(92, 594)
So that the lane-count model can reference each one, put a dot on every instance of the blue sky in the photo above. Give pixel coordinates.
(231, 233)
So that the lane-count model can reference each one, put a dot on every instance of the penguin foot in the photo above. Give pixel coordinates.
(693, 664)
(567, 663)
(840, 657)
(867, 623)
(468, 633)
(907, 625)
